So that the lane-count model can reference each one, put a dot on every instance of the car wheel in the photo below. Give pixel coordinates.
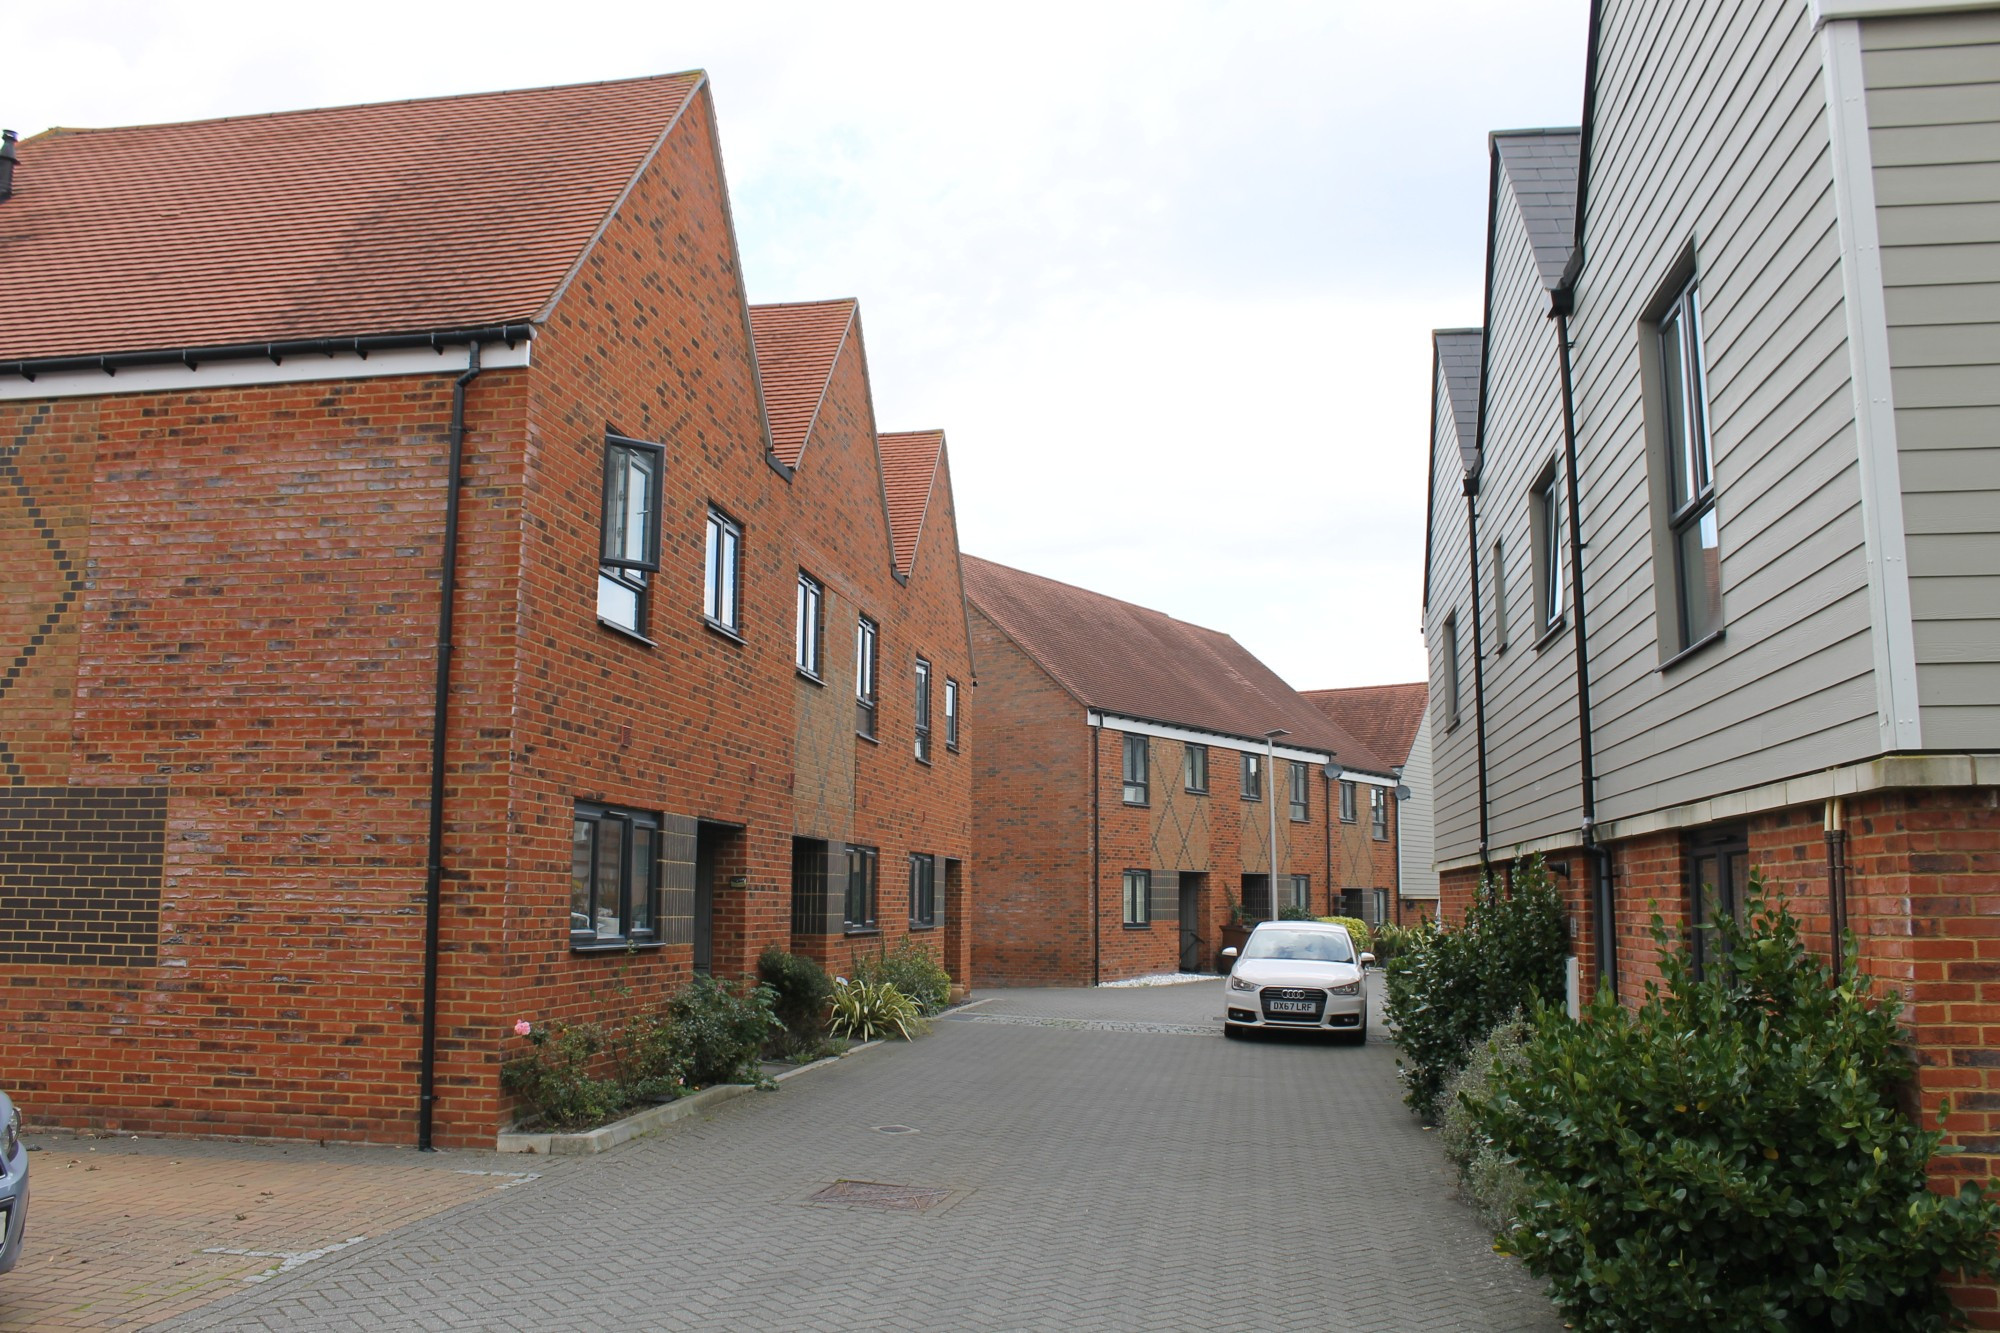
(1359, 1037)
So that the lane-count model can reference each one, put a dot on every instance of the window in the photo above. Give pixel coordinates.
(859, 911)
(1451, 670)
(1381, 907)
(1718, 872)
(1545, 531)
(1253, 776)
(1690, 475)
(1138, 763)
(1347, 803)
(614, 873)
(923, 727)
(1498, 579)
(1378, 812)
(950, 713)
(1302, 892)
(630, 552)
(1194, 768)
(721, 599)
(1301, 792)
(809, 631)
(1138, 897)
(864, 677)
(923, 891)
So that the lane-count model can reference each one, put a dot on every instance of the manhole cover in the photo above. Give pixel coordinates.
(891, 1198)
(895, 1129)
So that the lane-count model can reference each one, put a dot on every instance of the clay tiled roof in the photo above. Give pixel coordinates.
(1145, 664)
(400, 217)
(797, 345)
(1385, 717)
(909, 477)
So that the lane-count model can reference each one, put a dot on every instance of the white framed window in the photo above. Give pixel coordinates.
(865, 635)
(950, 714)
(1138, 897)
(1253, 776)
(1690, 468)
(629, 554)
(1138, 769)
(923, 726)
(809, 626)
(721, 602)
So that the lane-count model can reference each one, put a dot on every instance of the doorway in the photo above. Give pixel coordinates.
(718, 851)
(1191, 887)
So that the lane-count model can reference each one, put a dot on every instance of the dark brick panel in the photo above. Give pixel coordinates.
(80, 874)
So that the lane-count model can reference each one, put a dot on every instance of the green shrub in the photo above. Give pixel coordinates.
(1449, 988)
(800, 993)
(1490, 1179)
(1732, 1156)
(649, 1059)
(1389, 938)
(553, 1076)
(911, 970)
(865, 1010)
(1357, 930)
(1294, 912)
(719, 1029)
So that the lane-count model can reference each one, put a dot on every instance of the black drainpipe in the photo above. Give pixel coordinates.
(1096, 891)
(1478, 664)
(434, 860)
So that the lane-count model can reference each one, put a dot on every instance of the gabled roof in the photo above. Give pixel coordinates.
(399, 217)
(909, 477)
(797, 345)
(1458, 354)
(1541, 170)
(1144, 664)
(1384, 717)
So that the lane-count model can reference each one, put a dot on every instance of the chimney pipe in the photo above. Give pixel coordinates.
(8, 157)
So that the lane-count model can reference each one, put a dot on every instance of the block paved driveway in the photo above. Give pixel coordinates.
(1069, 1160)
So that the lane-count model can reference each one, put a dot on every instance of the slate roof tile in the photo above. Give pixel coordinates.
(1540, 167)
(1459, 352)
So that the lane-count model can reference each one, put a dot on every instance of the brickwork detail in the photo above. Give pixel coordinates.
(80, 874)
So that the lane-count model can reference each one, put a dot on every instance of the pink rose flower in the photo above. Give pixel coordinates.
(523, 1028)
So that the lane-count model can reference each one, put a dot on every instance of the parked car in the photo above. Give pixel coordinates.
(1296, 976)
(13, 1184)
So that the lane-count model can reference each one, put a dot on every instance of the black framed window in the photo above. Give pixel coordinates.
(950, 713)
(1498, 578)
(1718, 873)
(629, 553)
(1194, 768)
(1451, 670)
(1253, 776)
(1300, 776)
(722, 593)
(923, 727)
(1138, 769)
(923, 890)
(1302, 892)
(1545, 530)
(858, 913)
(865, 635)
(1378, 812)
(614, 876)
(1347, 806)
(809, 626)
(1693, 531)
(1138, 897)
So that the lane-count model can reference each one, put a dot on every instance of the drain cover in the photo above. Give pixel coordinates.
(895, 1129)
(890, 1198)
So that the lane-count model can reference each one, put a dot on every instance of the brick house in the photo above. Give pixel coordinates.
(1715, 508)
(434, 598)
(1394, 722)
(1125, 800)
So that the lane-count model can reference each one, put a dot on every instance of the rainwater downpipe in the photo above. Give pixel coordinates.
(1478, 665)
(1605, 902)
(1836, 884)
(1096, 883)
(440, 709)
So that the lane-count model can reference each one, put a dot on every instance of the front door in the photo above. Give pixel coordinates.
(1191, 923)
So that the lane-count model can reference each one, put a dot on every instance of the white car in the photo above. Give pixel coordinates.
(1296, 976)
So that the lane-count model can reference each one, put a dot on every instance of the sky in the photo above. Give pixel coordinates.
(1164, 272)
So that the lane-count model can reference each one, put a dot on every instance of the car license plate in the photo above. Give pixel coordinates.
(1291, 1006)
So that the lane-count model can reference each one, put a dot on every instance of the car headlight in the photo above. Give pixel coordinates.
(1351, 988)
(1237, 983)
(10, 1137)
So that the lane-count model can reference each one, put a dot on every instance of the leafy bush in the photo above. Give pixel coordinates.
(1294, 912)
(911, 970)
(865, 1010)
(649, 1060)
(1389, 938)
(800, 993)
(1731, 1156)
(1490, 1179)
(1357, 930)
(553, 1077)
(1449, 988)
(718, 1030)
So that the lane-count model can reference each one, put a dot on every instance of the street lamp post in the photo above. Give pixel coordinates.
(1271, 809)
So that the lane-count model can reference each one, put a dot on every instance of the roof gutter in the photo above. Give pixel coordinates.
(113, 362)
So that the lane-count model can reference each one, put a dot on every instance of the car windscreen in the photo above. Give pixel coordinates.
(1306, 946)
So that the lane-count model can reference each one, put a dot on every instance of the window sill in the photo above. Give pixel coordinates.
(1301, 819)
(1137, 805)
(1138, 925)
(918, 927)
(624, 633)
(718, 627)
(951, 747)
(1195, 791)
(855, 932)
(865, 736)
(924, 759)
(1253, 800)
(804, 674)
(615, 946)
(1550, 634)
(1689, 651)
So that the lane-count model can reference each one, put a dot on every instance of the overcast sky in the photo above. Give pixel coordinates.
(1164, 272)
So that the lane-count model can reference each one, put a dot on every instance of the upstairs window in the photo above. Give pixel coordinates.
(1194, 768)
(1378, 811)
(923, 711)
(1347, 803)
(721, 602)
(1253, 776)
(1690, 472)
(629, 554)
(1138, 765)
(864, 677)
(1498, 579)
(1301, 792)
(614, 876)
(1450, 673)
(950, 713)
(1545, 531)
(808, 628)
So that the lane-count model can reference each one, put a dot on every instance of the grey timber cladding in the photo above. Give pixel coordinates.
(1540, 167)
(1414, 839)
(1455, 396)
(1933, 101)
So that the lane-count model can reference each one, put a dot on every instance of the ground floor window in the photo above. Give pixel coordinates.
(923, 890)
(1302, 892)
(860, 910)
(1138, 897)
(1718, 873)
(614, 875)
(1381, 907)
